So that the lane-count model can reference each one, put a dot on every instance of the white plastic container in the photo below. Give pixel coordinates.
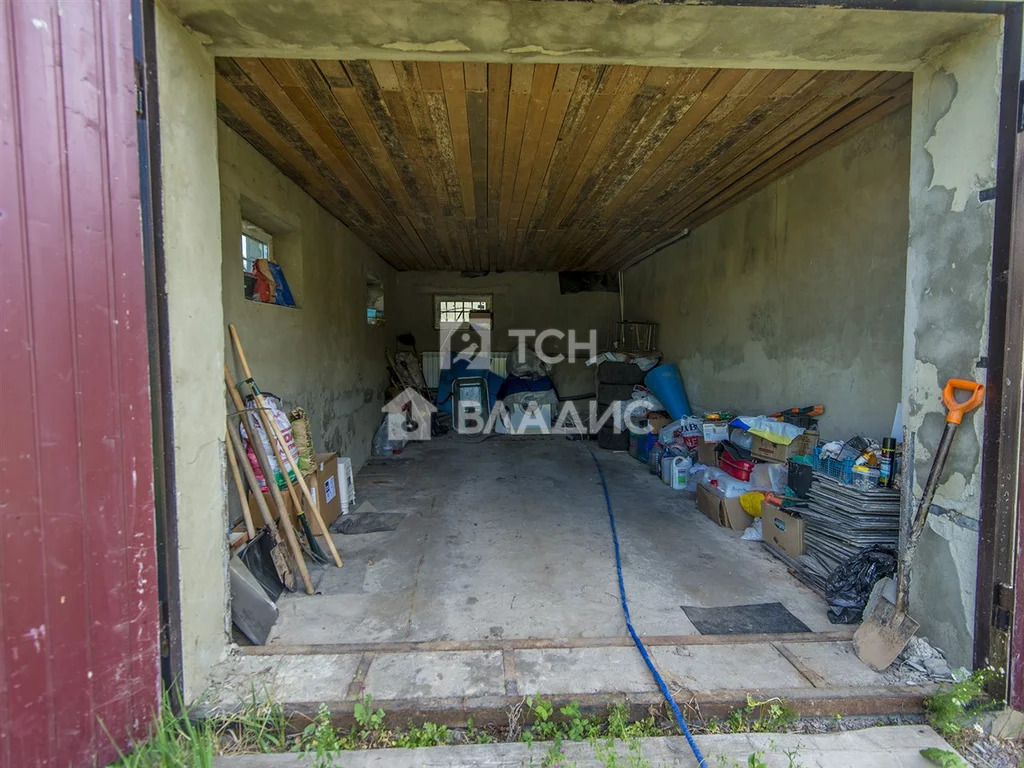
(675, 471)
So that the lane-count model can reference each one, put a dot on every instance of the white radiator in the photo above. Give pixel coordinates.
(431, 362)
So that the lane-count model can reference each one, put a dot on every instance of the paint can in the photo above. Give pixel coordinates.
(887, 466)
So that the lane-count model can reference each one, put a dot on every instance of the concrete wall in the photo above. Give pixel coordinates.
(322, 355)
(956, 97)
(794, 296)
(191, 217)
(522, 300)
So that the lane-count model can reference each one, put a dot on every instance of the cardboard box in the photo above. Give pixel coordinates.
(323, 485)
(728, 513)
(325, 491)
(657, 422)
(706, 452)
(782, 529)
(766, 450)
(715, 431)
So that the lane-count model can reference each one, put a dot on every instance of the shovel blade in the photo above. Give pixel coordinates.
(883, 635)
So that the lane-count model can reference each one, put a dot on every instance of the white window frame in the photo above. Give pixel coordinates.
(258, 234)
(484, 298)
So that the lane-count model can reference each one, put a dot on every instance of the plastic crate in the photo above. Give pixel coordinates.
(841, 470)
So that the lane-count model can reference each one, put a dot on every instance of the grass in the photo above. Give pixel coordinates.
(174, 740)
(772, 715)
(262, 726)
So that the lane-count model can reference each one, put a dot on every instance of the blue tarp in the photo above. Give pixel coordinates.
(459, 369)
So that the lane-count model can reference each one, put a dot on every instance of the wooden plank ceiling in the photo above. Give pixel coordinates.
(537, 166)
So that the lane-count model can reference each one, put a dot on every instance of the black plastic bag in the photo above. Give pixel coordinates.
(850, 584)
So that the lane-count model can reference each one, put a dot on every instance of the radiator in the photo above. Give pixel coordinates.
(431, 362)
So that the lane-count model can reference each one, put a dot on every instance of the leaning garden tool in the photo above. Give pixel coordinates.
(275, 434)
(887, 628)
(267, 466)
(278, 553)
(282, 510)
(256, 553)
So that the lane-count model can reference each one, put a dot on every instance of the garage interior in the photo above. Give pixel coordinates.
(759, 216)
(472, 179)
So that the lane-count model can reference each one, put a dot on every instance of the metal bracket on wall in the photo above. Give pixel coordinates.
(1002, 608)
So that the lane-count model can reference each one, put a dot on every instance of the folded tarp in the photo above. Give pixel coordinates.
(780, 432)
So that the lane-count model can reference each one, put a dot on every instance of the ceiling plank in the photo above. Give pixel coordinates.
(487, 166)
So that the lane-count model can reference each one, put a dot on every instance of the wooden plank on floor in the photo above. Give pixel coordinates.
(808, 674)
(508, 664)
(357, 686)
(541, 643)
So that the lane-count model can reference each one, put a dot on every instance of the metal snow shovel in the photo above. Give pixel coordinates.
(887, 628)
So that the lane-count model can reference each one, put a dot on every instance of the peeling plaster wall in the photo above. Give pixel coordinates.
(191, 219)
(529, 300)
(322, 356)
(795, 295)
(956, 101)
(651, 33)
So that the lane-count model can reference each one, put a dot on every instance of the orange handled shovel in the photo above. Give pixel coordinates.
(887, 628)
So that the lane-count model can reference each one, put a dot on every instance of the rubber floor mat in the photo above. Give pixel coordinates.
(758, 619)
(368, 522)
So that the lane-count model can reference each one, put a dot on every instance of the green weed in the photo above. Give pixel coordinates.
(944, 758)
(555, 756)
(620, 726)
(173, 741)
(430, 735)
(474, 736)
(768, 716)
(261, 726)
(955, 706)
(368, 718)
(320, 740)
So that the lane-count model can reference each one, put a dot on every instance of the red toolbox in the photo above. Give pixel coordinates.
(738, 468)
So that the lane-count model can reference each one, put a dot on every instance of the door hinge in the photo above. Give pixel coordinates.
(1002, 608)
(140, 90)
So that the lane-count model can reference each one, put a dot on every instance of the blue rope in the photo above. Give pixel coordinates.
(680, 721)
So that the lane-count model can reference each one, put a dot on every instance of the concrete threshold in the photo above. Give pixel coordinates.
(884, 747)
(447, 682)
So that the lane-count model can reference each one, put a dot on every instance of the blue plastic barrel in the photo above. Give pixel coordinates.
(667, 385)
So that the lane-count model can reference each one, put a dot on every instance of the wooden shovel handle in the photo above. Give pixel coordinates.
(282, 511)
(233, 463)
(268, 421)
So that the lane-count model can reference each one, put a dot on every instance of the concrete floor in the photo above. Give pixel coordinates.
(509, 538)
(886, 747)
(500, 582)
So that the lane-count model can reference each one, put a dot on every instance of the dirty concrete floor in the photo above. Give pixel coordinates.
(500, 582)
(509, 538)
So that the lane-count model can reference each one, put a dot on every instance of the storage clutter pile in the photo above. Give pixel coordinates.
(289, 493)
(815, 505)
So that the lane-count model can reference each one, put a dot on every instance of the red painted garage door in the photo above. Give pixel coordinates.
(78, 606)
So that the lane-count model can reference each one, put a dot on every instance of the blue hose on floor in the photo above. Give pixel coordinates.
(680, 721)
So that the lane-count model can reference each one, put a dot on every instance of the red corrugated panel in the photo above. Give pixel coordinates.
(78, 609)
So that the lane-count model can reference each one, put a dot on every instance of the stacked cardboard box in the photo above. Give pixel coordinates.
(323, 485)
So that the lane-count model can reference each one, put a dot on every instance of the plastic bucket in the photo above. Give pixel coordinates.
(667, 385)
